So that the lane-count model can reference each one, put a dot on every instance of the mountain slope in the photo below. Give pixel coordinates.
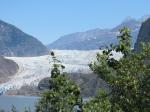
(84, 40)
(7, 68)
(144, 34)
(96, 38)
(14, 42)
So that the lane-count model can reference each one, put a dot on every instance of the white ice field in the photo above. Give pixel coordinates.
(33, 69)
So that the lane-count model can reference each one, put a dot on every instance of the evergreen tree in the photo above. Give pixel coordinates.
(63, 94)
(128, 79)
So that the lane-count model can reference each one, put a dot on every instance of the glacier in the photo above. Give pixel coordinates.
(33, 69)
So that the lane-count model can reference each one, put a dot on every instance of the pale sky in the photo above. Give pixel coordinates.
(47, 20)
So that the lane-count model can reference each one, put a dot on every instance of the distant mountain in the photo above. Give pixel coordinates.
(14, 42)
(144, 34)
(96, 38)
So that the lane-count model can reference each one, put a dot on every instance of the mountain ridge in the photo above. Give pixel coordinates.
(15, 42)
(96, 38)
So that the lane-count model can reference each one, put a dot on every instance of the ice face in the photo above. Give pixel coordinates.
(34, 69)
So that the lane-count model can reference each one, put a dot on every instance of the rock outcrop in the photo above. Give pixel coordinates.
(89, 84)
(144, 35)
(8, 68)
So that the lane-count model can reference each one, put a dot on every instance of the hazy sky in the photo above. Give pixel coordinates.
(47, 20)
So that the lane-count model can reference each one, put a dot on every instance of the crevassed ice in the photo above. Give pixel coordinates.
(33, 69)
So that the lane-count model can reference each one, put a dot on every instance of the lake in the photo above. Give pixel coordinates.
(20, 102)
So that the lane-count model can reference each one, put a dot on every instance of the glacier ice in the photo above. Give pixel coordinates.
(33, 69)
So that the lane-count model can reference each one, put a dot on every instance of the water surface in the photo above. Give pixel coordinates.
(20, 102)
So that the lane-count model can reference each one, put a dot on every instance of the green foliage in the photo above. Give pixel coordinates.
(63, 96)
(129, 78)
(27, 110)
(100, 103)
(124, 42)
(13, 109)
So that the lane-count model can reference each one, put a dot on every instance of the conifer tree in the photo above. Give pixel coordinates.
(128, 79)
(63, 94)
